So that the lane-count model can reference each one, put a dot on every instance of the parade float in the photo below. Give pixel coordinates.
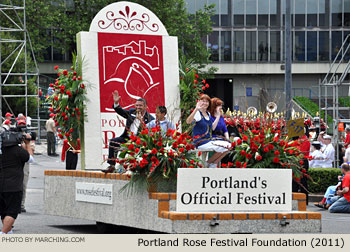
(164, 186)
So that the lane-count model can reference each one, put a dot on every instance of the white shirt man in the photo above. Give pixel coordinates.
(328, 151)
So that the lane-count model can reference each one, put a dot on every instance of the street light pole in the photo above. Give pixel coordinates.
(288, 57)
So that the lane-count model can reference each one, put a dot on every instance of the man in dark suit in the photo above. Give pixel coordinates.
(134, 119)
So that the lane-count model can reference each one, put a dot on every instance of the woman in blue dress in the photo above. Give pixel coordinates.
(220, 132)
(202, 131)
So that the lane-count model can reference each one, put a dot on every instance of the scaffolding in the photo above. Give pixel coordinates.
(14, 36)
(335, 79)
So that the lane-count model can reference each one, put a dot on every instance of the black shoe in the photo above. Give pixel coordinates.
(109, 169)
(23, 210)
(55, 155)
(320, 205)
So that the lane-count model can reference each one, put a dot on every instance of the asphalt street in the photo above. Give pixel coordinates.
(34, 221)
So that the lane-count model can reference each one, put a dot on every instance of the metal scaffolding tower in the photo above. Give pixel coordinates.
(14, 37)
(334, 79)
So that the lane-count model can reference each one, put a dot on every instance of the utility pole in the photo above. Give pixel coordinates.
(288, 57)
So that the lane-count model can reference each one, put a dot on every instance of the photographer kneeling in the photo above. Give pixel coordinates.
(13, 157)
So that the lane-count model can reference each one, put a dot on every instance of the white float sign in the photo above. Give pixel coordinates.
(127, 49)
(94, 193)
(215, 190)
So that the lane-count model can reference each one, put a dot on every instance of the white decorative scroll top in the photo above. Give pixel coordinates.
(127, 17)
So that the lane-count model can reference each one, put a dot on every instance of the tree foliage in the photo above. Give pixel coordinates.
(69, 19)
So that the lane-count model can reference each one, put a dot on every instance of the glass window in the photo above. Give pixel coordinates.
(225, 10)
(275, 48)
(57, 53)
(191, 6)
(238, 46)
(347, 55)
(299, 12)
(213, 46)
(263, 13)
(336, 12)
(311, 46)
(200, 4)
(347, 13)
(275, 13)
(226, 46)
(263, 47)
(299, 46)
(323, 46)
(251, 46)
(251, 12)
(238, 12)
(336, 43)
(215, 17)
(312, 8)
(323, 21)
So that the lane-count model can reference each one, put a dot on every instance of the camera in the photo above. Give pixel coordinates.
(15, 136)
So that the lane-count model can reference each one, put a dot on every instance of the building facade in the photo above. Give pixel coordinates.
(247, 47)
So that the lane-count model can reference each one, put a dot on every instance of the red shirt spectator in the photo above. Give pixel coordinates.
(346, 183)
(347, 139)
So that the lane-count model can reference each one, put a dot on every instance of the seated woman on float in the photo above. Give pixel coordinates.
(220, 132)
(202, 131)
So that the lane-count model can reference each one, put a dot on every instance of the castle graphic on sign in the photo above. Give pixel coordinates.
(135, 59)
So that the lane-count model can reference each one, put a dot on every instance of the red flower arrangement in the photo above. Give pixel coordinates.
(67, 102)
(158, 156)
(267, 148)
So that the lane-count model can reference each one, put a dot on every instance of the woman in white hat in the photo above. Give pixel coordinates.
(317, 160)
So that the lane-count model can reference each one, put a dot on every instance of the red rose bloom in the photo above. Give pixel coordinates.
(258, 157)
(131, 147)
(138, 142)
(56, 67)
(270, 146)
(277, 153)
(301, 162)
(65, 72)
(266, 149)
(239, 141)
(276, 160)
(245, 138)
(249, 156)
(154, 151)
(243, 153)
(238, 164)
(181, 149)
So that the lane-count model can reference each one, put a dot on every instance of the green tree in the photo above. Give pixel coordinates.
(67, 18)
